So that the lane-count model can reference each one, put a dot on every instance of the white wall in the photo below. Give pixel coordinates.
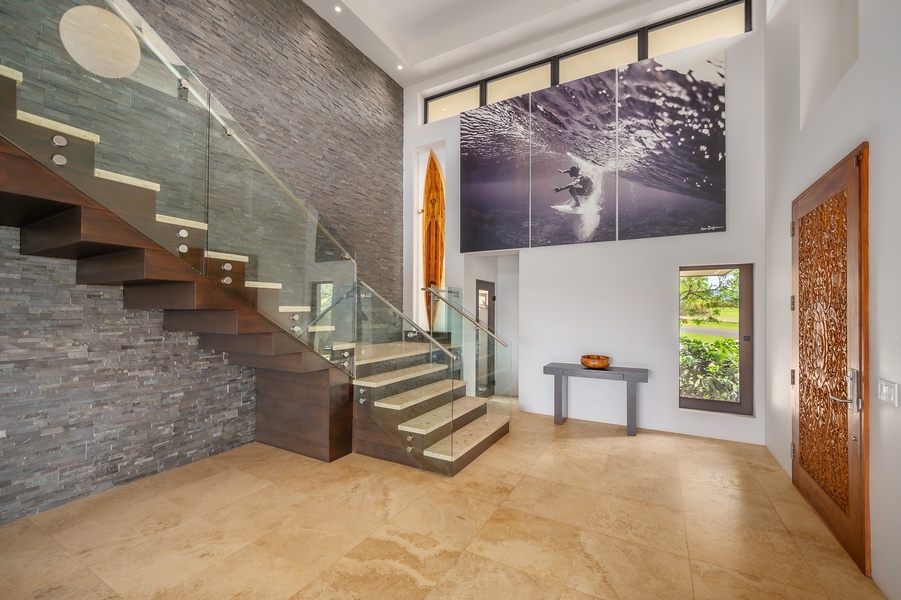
(862, 106)
(621, 298)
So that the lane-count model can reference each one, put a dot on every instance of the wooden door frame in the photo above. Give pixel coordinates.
(836, 179)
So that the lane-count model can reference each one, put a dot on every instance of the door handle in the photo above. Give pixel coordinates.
(853, 390)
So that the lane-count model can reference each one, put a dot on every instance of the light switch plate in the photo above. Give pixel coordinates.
(887, 391)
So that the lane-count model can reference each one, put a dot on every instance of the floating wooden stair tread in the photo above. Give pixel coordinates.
(57, 127)
(263, 285)
(226, 256)
(12, 74)
(441, 416)
(320, 328)
(181, 222)
(390, 351)
(454, 446)
(126, 179)
(420, 394)
(294, 309)
(343, 345)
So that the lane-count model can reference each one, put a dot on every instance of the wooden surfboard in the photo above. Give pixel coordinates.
(433, 232)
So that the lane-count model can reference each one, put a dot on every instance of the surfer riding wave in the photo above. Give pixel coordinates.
(581, 185)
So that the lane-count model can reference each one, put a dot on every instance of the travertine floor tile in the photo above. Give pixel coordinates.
(166, 559)
(536, 545)
(656, 526)
(639, 459)
(216, 491)
(454, 519)
(644, 487)
(266, 511)
(556, 501)
(29, 559)
(81, 585)
(802, 522)
(383, 467)
(266, 462)
(654, 441)
(566, 466)
(250, 573)
(749, 507)
(732, 473)
(763, 553)
(110, 501)
(517, 457)
(478, 578)
(391, 563)
(316, 534)
(608, 567)
(715, 583)
(485, 483)
(837, 573)
(103, 535)
(191, 473)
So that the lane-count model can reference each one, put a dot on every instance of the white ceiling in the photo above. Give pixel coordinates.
(432, 39)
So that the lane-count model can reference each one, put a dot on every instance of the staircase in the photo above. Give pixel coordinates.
(244, 294)
(295, 386)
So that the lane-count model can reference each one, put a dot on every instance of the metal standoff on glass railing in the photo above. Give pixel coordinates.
(229, 131)
(227, 280)
(183, 248)
(345, 354)
(295, 317)
(409, 448)
(411, 335)
(409, 438)
(346, 256)
(182, 233)
(183, 84)
(59, 160)
(60, 141)
(296, 329)
(362, 400)
(227, 267)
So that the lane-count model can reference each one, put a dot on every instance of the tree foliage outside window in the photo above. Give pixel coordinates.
(709, 358)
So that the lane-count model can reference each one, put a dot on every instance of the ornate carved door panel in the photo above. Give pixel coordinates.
(830, 342)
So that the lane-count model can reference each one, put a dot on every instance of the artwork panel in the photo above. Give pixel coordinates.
(672, 145)
(494, 176)
(574, 130)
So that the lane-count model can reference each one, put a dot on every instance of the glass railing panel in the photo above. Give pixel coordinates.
(294, 269)
(486, 360)
(407, 381)
(95, 69)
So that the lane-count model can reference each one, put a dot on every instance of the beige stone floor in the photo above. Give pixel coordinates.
(573, 511)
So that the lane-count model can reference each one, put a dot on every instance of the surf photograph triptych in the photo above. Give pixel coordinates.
(634, 152)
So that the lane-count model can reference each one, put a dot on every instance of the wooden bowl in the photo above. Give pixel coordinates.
(595, 361)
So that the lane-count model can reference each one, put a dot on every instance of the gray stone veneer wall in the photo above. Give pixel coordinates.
(329, 121)
(93, 396)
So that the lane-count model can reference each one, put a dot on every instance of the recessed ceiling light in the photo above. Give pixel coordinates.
(337, 9)
(400, 67)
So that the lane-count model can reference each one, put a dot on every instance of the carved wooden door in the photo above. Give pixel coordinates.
(830, 342)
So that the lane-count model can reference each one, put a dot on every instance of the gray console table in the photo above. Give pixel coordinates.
(561, 371)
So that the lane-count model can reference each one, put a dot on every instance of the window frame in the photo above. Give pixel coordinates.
(745, 405)
(641, 33)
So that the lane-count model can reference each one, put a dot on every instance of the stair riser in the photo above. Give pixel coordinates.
(421, 442)
(8, 99)
(377, 393)
(392, 418)
(441, 466)
(385, 366)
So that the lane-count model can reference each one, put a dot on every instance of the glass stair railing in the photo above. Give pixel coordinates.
(92, 92)
(104, 102)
